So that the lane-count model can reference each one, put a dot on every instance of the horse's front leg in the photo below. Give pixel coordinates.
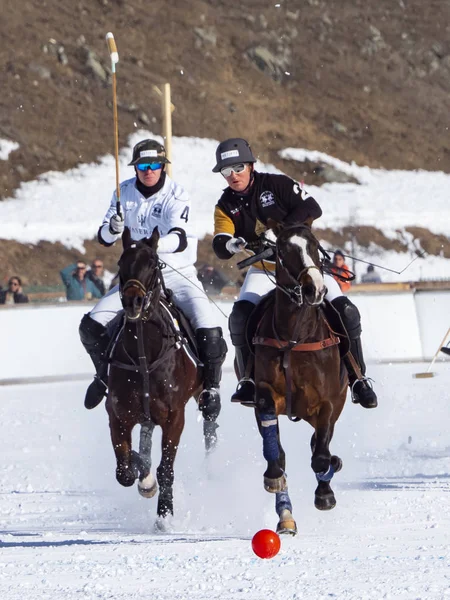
(267, 419)
(126, 469)
(171, 433)
(147, 485)
(323, 464)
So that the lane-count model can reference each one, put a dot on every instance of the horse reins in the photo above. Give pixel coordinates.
(144, 316)
(295, 295)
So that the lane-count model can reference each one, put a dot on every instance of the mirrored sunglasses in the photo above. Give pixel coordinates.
(226, 171)
(147, 166)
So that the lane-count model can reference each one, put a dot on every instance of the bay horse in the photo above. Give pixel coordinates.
(298, 369)
(151, 377)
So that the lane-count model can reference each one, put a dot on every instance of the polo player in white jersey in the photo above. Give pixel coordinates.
(148, 200)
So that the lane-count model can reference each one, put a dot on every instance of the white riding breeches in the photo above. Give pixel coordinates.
(257, 284)
(188, 295)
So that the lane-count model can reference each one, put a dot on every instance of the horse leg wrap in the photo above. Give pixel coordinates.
(326, 475)
(269, 434)
(282, 502)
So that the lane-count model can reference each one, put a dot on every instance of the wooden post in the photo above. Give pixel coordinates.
(167, 125)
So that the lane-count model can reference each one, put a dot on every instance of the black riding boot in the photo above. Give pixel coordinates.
(212, 350)
(95, 339)
(245, 392)
(361, 388)
(246, 389)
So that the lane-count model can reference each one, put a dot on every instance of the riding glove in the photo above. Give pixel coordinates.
(235, 245)
(269, 238)
(116, 225)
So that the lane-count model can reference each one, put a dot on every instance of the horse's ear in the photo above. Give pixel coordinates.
(274, 225)
(126, 238)
(154, 239)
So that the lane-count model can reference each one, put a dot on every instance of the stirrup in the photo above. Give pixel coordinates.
(367, 380)
(244, 401)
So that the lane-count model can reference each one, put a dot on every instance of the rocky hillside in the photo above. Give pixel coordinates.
(363, 80)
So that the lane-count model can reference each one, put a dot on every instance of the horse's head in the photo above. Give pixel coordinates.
(139, 275)
(298, 264)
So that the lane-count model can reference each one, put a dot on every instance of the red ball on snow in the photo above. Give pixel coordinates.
(266, 543)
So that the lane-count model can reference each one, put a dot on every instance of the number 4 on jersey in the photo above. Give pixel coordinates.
(185, 214)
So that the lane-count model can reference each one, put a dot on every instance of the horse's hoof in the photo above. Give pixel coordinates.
(163, 524)
(148, 486)
(325, 502)
(286, 524)
(336, 463)
(125, 477)
(274, 485)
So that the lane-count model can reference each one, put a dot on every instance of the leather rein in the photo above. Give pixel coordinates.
(295, 295)
(146, 311)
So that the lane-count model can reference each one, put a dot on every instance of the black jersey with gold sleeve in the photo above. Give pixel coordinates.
(276, 197)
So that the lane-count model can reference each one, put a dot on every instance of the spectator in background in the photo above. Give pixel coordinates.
(213, 279)
(340, 268)
(14, 294)
(78, 286)
(370, 276)
(95, 274)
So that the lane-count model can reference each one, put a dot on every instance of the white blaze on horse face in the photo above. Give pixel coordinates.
(314, 273)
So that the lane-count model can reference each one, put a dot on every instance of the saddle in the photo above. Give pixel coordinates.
(331, 315)
(182, 329)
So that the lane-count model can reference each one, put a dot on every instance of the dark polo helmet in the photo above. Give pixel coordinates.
(149, 151)
(231, 152)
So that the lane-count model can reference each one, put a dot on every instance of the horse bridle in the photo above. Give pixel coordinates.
(294, 292)
(145, 293)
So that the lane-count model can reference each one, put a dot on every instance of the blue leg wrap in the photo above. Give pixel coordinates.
(325, 475)
(269, 435)
(282, 502)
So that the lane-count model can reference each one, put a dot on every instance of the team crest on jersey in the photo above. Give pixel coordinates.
(267, 199)
(157, 210)
(141, 220)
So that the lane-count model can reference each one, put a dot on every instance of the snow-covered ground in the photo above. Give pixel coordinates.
(69, 531)
(68, 207)
(6, 147)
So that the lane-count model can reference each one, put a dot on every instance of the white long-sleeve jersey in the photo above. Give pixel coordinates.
(169, 208)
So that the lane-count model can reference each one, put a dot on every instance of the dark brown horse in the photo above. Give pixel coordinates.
(298, 368)
(151, 376)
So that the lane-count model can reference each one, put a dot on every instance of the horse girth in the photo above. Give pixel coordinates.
(297, 346)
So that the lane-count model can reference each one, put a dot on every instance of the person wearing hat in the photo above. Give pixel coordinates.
(151, 199)
(240, 222)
